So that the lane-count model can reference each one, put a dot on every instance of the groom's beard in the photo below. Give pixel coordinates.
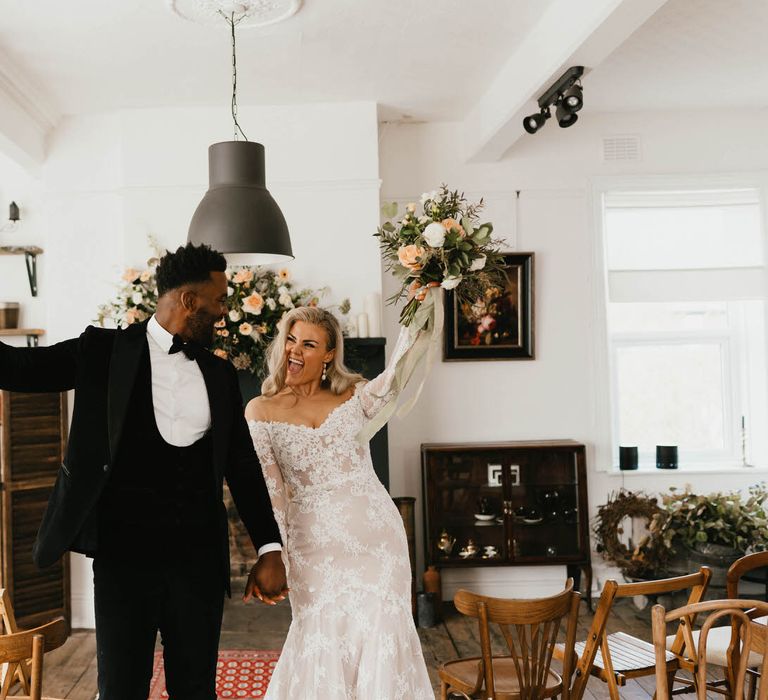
(201, 328)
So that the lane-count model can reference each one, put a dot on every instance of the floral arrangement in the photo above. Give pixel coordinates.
(726, 519)
(443, 246)
(257, 299)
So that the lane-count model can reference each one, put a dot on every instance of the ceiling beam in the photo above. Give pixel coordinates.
(26, 117)
(567, 34)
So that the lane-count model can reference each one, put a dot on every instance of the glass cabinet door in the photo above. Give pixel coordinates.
(466, 517)
(543, 506)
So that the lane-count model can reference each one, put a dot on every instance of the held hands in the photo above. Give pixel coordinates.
(267, 580)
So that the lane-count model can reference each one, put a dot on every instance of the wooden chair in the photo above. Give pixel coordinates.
(694, 658)
(21, 670)
(615, 658)
(530, 629)
(16, 648)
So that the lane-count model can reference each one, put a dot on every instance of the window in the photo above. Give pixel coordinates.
(686, 325)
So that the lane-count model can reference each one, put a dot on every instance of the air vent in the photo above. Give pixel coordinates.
(621, 148)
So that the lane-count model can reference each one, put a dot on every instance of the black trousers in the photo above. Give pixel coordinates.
(135, 599)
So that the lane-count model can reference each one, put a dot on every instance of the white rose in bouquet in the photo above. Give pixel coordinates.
(434, 235)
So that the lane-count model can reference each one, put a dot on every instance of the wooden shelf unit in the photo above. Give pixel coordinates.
(33, 334)
(537, 491)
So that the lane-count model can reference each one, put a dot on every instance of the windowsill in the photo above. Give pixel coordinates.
(732, 470)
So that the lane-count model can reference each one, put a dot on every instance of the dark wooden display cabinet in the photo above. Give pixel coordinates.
(518, 503)
(33, 433)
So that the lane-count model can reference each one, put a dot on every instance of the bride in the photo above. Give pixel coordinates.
(352, 634)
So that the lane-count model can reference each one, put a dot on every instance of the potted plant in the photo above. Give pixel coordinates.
(712, 530)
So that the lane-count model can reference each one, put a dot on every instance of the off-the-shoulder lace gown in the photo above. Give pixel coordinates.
(352, 634)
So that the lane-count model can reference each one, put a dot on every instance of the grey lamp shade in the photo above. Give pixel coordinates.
(237, 216)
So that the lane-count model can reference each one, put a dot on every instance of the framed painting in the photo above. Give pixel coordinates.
(498, 326)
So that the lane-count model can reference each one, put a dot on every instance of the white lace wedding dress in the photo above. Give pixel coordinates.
(352, 636)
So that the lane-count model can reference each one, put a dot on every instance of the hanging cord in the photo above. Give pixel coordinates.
(232, 22)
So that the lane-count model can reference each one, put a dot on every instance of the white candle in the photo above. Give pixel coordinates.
(362, 325)
(372, 306)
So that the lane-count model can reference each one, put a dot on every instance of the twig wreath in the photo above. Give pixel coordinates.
(649, 555)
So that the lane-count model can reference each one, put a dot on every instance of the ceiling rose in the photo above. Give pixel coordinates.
(253, 13)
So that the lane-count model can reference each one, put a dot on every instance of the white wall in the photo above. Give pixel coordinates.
(111, 179)
(558, 395)
(16, 184)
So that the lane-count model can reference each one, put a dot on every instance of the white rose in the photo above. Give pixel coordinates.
(477, 264)
(271, 304)
(286, 301)
(137, 298)
(282, 290)
(434, 235)
(451, 282)
(235, 315)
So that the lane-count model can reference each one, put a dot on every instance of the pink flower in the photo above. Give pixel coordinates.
(253, 304)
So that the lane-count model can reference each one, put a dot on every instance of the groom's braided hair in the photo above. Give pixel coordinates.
(189, 264)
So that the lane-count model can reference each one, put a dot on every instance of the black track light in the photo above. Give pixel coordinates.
(573, 98)
(534, 122)
(565, 94)
(565, 116)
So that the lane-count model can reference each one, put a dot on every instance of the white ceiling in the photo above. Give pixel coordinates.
(426, 58)
(690, 54)
(483, 62)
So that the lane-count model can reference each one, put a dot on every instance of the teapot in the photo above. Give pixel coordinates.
(445, 543)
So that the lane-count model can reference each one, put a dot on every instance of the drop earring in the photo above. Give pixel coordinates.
(325, 371)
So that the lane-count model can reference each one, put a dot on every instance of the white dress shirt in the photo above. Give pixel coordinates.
(179, 396)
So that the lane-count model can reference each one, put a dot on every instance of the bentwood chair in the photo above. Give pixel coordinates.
(720, 639)
(16, 648)
(746, 638)
(530, 629)
(615, 658)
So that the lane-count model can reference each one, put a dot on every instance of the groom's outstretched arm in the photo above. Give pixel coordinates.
(249, 491)
(46, 369)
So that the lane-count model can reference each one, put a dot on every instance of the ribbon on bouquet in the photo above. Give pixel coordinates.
(427, 328)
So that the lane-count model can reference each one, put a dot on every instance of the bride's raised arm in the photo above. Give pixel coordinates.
(377, 393)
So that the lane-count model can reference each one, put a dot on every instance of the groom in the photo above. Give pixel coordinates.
(157, 426)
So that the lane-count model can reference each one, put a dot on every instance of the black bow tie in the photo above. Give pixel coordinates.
(191, 349)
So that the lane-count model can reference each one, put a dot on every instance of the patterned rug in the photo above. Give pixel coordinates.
(242, 673)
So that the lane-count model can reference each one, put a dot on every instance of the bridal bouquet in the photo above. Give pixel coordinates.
(257, 299)
(442, 246)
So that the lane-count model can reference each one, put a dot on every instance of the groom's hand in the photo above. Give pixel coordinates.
(267, 580)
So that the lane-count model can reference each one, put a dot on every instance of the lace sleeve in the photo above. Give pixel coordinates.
(273, 477)
(377, 393)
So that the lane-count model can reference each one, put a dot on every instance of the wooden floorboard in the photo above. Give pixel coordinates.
(70, 672)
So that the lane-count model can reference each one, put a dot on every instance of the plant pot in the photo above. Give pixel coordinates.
(717, 557)
(9, 315)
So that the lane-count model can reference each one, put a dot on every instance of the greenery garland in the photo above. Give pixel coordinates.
(649, 556)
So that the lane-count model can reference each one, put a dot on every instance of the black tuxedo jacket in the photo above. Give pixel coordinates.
(101, 367)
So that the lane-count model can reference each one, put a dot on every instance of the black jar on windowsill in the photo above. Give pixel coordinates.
(666, 456)
(628, 458)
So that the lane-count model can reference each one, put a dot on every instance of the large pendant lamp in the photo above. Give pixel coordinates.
(238, 216)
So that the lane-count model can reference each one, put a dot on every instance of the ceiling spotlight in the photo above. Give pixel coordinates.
(565, 94)
(573, 98)
(565, 116)
(534, 122)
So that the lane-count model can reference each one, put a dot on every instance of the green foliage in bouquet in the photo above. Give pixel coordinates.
(257, 300)
(444, 246)
(727, 519)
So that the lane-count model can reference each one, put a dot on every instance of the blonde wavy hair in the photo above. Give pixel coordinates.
(339, 378)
